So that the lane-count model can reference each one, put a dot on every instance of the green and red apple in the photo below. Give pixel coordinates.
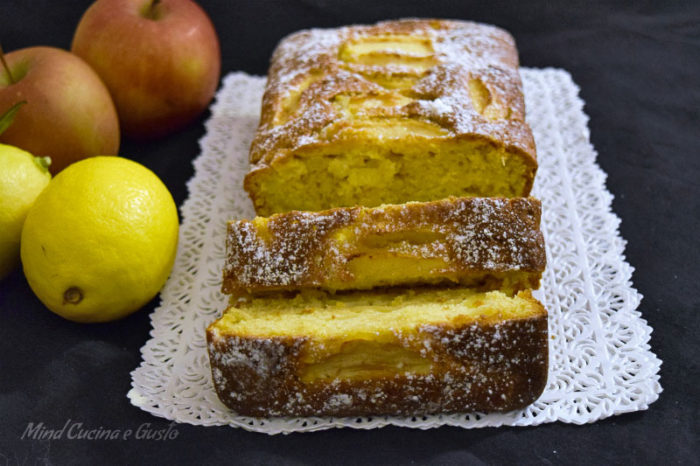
(159, 59)
(68, 115)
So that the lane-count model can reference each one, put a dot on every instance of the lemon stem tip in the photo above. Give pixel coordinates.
(72, 295)
(43, 162)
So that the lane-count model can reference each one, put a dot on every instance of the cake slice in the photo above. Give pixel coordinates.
(410, 110)
(394, 352)
(487, 243)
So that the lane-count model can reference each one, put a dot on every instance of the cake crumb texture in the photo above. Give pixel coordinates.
(410, 110)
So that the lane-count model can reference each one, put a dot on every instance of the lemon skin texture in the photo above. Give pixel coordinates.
(22, 178)
(100, 240)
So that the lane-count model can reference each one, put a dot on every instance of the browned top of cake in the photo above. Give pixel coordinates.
(303, 249)
(461, 76)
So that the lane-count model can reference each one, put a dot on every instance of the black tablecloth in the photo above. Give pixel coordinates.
(638, 68)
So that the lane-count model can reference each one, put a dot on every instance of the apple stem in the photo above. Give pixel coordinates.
(153, 12)
(7, 68)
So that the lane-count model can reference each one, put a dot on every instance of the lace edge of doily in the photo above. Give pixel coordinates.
(633, 296)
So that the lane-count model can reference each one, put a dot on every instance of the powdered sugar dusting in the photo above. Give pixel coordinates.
(461, 51)
(284, 260)
(308, 249)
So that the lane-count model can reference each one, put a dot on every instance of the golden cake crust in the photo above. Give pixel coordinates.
(312, 68)
(482, 365)
(481, 242)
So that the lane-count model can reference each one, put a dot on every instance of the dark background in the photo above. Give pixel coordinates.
(638, 68)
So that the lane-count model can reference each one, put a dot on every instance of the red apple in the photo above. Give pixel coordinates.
(68, 115)
(159, 59)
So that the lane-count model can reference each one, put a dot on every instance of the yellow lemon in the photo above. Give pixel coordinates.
(100, 240)
(22, 178)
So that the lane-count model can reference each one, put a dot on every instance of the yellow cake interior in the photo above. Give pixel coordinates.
(356, 334)
(408, 162)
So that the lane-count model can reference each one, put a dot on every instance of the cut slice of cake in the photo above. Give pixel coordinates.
(411, 110)
(487, 243)
(394, 352)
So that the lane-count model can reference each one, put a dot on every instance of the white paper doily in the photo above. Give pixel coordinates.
(600, 360)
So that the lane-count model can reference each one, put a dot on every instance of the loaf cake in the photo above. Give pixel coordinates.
(487, 243)
(410, 110)
(392, 352)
